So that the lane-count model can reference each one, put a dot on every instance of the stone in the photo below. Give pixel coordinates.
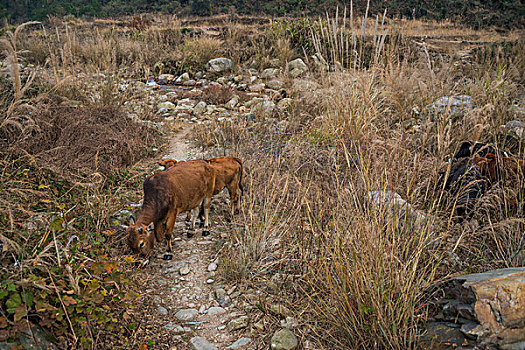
(162, 310)
(199, 108)
(298, 65)
(184, 270)
(200, 343)
(418, 218)
(238, 323)
(441, 335)
(275, 84)
(279, 310)
(284, 340)
(320, 63)
(495, 301)
(211, 108)
(249, 117)
(460, 104)
(184, 77)
(303, 85)
(167, 104)
(232, 103)
(517, 127)
(28, 338)
(265, 107)
(212, 267)
(216, 310)
(186, 314)
(173, 266)
(284, 103)
(219, 65)
(239, 343)
(165, 78)
(259, 326)
(269, 73)
(257, 87)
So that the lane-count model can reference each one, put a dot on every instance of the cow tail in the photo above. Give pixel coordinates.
(241, 170)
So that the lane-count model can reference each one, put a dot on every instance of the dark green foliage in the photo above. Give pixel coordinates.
(480, 13)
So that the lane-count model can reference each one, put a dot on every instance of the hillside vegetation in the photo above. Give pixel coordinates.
(318, 247)
(478, 14)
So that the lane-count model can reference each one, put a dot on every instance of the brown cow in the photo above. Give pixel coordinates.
(497, 168)
(166, 194)
(229, 171)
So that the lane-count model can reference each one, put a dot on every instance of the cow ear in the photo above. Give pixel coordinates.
(150, 227)
(131, 221)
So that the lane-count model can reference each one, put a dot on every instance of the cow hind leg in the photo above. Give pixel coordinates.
(206, 205)
(194, 215)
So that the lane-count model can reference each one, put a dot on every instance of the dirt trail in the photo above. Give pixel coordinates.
(182, 303)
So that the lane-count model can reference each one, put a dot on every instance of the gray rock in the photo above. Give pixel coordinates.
(224, 301)
(516, 126)
(27, 341)
(297, 64)
(265, 107)
(200, 343)
(239, 343)
(320, 63)
(284, 340)
(173, 266)
(232, 103)
(284, 103)
(269, 73)
(199, 108)
(275, 84)
(167, 104)
(458, 104)
(249, 117)
(257, 87)
(212, 267)
(165, 78)
(279, 310)
(162, 310)
(184, 270)
(211, 108)
(303, 85)
(184, 77)
(186, 314)
(238, 323)
(216, 310)
(219, 65)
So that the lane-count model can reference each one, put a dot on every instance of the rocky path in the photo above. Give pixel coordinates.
(183, 303)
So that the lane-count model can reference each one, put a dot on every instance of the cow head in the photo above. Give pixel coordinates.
(141, 238)
(166, 163)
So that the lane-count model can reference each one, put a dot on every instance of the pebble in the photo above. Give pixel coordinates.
(162, 310)
(284, 340)
(200, 343)
(186, 314)
(238, 323)
(185, 270)
(240, 343)
(212, 267)
(210, 280)
(215, 310)
(202, 309)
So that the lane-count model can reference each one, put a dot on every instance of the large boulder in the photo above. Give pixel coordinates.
(219, 65)
(488, 308)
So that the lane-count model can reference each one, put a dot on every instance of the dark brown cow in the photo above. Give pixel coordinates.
(181, 188)
(165, 164)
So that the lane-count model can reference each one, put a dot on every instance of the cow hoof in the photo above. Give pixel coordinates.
(205, 233)
(167, 256)
(189, 234)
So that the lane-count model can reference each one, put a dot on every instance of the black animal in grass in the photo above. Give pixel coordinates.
(468, 149)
